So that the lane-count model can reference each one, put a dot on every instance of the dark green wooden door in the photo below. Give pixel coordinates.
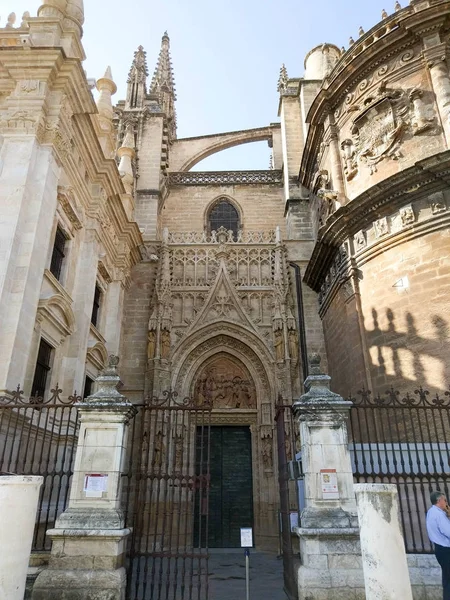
(231, 492)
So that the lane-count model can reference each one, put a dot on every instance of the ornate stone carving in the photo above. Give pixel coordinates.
(293, 346)
(279, 346)
(349, 158)
(225, 178)
(267, 452)
(360, 240)
(245, 346)
(381, 227)
(165, 344)
(379, 128)
(423, 117)
(221, 384)
(151, 344)
(437, 203)
(407, 215)
(67, 200)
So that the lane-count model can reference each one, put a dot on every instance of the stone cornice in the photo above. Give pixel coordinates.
(424, 178)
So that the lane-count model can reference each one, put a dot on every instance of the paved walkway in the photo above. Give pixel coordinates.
(227, 576)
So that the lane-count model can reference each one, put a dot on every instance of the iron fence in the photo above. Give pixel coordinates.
(166, 487)
(38, 436)
(403, 440)
(289, 480)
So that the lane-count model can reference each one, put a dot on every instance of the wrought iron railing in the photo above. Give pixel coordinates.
(38, 436)
(225, 177)
(403, 439)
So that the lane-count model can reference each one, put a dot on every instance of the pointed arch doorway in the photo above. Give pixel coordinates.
(225, 382)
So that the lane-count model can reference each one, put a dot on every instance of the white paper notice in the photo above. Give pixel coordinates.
(294, 521)
(95, 484)
(246, 537)
(328, 480)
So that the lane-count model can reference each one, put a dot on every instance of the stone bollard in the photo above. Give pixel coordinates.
(385, 568)
(18, 504)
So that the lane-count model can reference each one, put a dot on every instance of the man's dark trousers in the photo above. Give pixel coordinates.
(443, 558)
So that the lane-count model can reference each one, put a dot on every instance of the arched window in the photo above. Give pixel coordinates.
(223, 214)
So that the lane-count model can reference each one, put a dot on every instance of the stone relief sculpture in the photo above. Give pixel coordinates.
(165, 344)
(423, 115)
(293, 346)
(349, 159)
(379, 128)
(225, 391)
(151, 344)
(279, 346)
(267, 452)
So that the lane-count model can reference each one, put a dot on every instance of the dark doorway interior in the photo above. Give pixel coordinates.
(231, 490)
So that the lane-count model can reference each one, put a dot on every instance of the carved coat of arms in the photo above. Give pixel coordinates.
(380, 126)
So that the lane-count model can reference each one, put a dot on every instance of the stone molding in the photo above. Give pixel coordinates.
(393, 199)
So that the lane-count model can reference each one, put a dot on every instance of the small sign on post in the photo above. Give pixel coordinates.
(95, 484)
(247, 543)
(328, 481)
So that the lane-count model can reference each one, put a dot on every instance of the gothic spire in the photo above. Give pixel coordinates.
(137, 79)
(162, 87)
(163, 80)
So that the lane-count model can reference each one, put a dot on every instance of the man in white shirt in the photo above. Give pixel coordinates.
(438, 528)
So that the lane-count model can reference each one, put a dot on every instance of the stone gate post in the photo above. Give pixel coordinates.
(331, 566)
(89, 538)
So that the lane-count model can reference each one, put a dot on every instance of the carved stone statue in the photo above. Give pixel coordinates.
(151, 345)
(349, 158)
(423, 116)
(293, 346)
(165, 344)
(279, 346)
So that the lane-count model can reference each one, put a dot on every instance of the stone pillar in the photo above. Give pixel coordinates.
(114, 314)
(18, 503)
(329, 539)
(435, 56)
(73, 364)
(385, 568)
(89, 538)
(28, 199)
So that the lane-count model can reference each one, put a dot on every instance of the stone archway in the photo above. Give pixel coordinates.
(230, 366)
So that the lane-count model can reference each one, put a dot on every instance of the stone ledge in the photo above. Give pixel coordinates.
(331, 532)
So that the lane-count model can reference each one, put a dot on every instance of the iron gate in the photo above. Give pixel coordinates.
(166, 488)
(404, 440)
(39, 437)
(288, 486)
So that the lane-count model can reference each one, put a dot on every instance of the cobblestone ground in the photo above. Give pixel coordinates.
(227, 576)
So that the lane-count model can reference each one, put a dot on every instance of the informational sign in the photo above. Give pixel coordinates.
(95, 484)
(328, 481)
(294, 521)
(246, 537)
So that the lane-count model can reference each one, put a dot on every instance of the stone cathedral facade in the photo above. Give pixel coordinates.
(219, 284)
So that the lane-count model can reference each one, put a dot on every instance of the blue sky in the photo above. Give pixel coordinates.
(226, 54)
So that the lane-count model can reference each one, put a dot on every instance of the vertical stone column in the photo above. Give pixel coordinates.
(89, 538)
(329, 541)
(73, 365)
(114, 313)
(28, 198)
(385, 568)
(435, 57)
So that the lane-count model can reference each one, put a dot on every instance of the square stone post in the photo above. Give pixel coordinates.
(89, 538)
(331, 566)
